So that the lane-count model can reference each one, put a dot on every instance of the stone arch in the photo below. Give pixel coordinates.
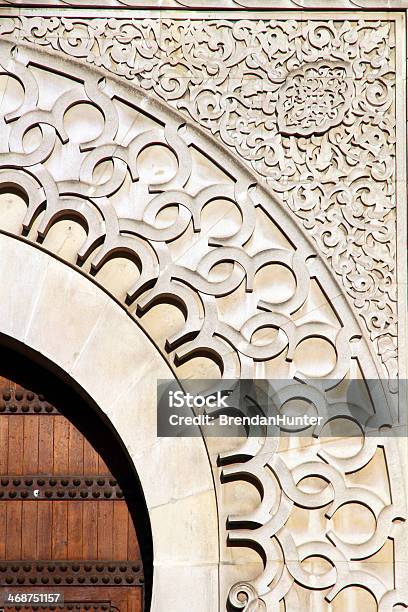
(75, 328)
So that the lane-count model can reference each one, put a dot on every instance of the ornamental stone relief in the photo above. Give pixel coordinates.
(309, 105)
(152, 220)
(226, 4)
(201, 230)
(314, 98)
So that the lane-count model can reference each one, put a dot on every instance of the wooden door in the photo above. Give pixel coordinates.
(64, 518)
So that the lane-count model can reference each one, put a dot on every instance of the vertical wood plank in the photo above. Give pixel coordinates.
(120, 526)
(44, 529)
(13, 527)
(105, 530)
(122, 603)
(102, 467)
(45, 466)
(75, 508)
(90, 530)
(59, 529)
(4, 435)
(133, 545)
(75, 451)
(45, 444)
(3, 529)
(15, 444)
(90, 459)
(75, 531)
(134, 600)
(30, 445)
(61, 442)
(29, 526)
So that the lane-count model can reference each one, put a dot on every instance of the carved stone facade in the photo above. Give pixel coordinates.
(216, 151)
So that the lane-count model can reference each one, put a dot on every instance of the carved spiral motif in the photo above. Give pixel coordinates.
(243, 597)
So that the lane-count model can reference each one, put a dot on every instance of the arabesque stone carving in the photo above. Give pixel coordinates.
(249, 82)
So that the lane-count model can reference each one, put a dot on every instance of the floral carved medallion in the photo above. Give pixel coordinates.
(314, 98)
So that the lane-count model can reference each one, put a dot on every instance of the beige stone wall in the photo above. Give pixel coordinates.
(249, 233)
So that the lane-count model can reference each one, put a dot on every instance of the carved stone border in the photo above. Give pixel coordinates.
(386, 5)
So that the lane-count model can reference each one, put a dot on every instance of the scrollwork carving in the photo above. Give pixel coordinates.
(283, 554)
(243, 597)
(249, 82)
(52, 195)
